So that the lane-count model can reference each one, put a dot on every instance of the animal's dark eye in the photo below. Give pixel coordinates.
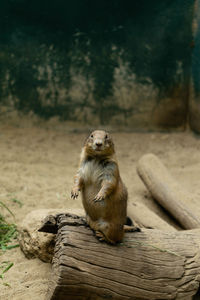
(106, 136)
(91, 136)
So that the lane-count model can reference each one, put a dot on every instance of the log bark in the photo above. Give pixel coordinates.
(150, 264)
(167, 192)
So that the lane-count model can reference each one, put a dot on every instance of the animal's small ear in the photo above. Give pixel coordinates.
(87, 138)
(109, 137)
(85, 141)
(111, 141)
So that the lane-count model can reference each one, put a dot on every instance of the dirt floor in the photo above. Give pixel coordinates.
(38, 161)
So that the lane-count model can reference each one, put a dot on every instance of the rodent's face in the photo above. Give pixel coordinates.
(99, 142)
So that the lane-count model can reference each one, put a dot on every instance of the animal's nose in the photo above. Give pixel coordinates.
(98, 144)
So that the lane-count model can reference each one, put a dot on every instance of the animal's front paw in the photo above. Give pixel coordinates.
(74, 193)
(99, 198)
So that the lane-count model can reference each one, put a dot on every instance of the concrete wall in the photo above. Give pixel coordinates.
(115, 63)
(194, 99)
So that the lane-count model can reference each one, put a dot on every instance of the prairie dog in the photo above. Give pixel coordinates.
(104, 195)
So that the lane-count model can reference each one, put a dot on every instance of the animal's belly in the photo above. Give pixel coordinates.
(95, 210)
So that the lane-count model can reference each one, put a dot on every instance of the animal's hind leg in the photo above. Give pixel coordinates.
(94, 225)
(101, 229)
(105, 231)
(100, 236)
(113, 232)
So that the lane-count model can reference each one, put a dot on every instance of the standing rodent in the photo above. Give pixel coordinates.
(104, 195)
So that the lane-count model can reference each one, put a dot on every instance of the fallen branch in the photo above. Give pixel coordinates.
(144, 217)
(166, 191)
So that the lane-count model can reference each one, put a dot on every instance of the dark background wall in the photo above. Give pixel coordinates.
(194, 95)
(120, 63)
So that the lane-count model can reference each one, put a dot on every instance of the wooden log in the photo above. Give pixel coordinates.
(166, 191)
(144, 217)
(150, 264)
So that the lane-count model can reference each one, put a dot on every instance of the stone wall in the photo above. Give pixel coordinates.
(125, 64)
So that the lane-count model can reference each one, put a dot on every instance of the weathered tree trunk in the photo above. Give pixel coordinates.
(167, 192)
(150, 264)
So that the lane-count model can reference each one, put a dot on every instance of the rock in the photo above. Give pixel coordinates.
(39, 244)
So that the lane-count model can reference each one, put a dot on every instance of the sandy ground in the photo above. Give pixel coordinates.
(38, 162)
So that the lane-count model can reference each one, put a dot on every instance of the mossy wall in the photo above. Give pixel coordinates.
(119, 63)
(194, 98)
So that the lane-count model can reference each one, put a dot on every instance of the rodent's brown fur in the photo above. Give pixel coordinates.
(104, 195)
